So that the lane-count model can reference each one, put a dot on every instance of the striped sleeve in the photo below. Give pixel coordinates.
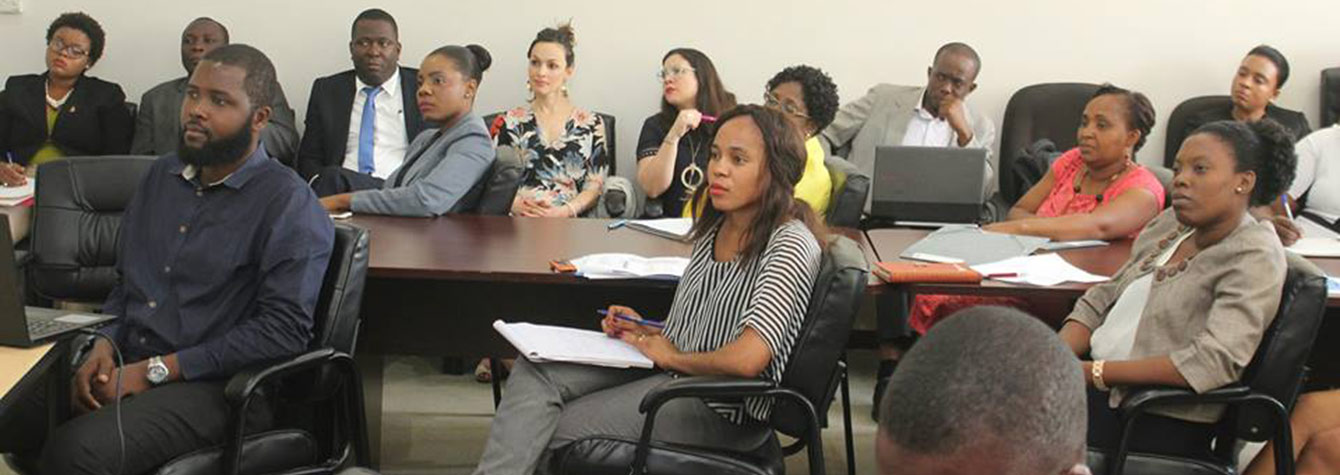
(781, 293)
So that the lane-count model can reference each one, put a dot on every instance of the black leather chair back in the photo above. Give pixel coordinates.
(1277, 367)
(77, 218)
(1177, 132)
(1041, 111)
(498, 187)
(850, 189)
(1330, 96)
(337, 308)
(813, 367)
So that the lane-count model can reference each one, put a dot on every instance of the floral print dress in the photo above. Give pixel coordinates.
(559, 170)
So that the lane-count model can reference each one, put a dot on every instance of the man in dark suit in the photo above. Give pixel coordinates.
(360, 122)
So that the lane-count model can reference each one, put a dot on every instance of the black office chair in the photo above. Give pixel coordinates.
(850, 190)
(322, 387)
(1041, 111)
(802, 399)
(1177, 122)
(1330, 96)
(79, 202)
(1257, 407)
(492, 195)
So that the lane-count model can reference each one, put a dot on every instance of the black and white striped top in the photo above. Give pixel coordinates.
(715, 301)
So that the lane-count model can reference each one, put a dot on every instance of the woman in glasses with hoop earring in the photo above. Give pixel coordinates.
(62, 112)
(674, 143)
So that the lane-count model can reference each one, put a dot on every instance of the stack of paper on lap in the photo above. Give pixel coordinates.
(544, 343)
(630, 266)
(14, 195)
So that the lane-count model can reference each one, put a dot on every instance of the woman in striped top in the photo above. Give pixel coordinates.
(737, 312)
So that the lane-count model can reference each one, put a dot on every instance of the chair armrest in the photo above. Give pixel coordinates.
(1143, 399)
(242, 386)
(703, 386)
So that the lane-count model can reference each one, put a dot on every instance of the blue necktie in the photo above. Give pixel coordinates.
(367, 130)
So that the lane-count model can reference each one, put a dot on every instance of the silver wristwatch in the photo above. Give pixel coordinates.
(158, 371)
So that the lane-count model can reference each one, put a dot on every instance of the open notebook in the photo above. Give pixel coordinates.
(544, 343)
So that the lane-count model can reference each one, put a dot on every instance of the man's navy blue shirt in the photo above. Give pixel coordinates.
(223, 274)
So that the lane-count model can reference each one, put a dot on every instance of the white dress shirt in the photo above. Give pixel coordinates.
(390, 140)
(925, 130)
(1318, 173)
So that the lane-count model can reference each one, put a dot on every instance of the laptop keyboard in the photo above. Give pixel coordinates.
(45, 327)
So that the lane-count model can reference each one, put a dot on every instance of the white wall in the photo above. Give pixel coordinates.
(1169, 49)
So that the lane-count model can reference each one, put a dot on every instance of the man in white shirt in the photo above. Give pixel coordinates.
(936, 115)
(1318, 178)
(359, 122)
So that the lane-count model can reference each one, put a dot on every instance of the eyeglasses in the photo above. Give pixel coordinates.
(58, 46)
(672, 73)
(771, 100)
(365, 43)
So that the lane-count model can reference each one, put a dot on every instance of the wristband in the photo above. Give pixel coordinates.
(1096, 371)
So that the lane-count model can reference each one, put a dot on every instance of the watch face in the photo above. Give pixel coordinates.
(158, 372)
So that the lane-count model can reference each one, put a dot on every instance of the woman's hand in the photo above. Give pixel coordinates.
(617, 327)
(12, 174)
(657, 348)
(528, 208)
(686, 121)
(1288, 232)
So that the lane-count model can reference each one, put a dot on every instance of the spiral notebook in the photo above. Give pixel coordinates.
(545, 343)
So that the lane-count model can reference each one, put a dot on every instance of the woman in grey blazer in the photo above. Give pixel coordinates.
(441, 165)
(1202, 284)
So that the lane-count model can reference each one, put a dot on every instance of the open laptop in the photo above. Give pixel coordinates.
(928, 184)
(31, 326)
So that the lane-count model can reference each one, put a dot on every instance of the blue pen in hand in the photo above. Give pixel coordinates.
(1284, 200)
(639, 321)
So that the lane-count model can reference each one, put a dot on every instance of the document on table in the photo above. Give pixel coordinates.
(544, 343)
(1317, 240)
(1043, 270)
(670, 228)
(629, 266)
(971, 245)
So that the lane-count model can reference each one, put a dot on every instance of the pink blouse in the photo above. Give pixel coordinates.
(1062, 200)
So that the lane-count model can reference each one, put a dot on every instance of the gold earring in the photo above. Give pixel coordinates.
(565, 90)
(1238, 190)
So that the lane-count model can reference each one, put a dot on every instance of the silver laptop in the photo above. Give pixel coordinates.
(31, 326)
(928, 184)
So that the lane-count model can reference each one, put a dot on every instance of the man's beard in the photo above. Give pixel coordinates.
(216, 150)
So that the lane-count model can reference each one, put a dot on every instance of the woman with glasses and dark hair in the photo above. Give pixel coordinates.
(737, 312)
(673, 146)
(62, 112)
(1257, 83)
(809, 99)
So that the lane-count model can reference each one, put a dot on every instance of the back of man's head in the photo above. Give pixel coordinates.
(261, 78)
(988, 390)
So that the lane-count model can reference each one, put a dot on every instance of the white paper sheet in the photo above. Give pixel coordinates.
(673, 228)
(629, 266)
(1042, 270)
(544, 343)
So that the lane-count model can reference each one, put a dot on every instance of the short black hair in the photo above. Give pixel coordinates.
(86, 24)
(226, 37)
(961, 49)
(375, 14)
(1275, 56)
(821, 96)
(471, 60)
(1264, 147)
(1139, 111)
(260, 82)
(990, 378)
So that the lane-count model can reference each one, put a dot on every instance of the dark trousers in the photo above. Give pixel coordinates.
(159, 425)
(334, 180)
(1153, 434)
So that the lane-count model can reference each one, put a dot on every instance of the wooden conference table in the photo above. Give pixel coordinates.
(889, 243)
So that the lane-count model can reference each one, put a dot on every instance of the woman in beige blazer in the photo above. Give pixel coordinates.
(1202, 284)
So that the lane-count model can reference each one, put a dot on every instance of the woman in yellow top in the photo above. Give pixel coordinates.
(809, 99)
(62, 112)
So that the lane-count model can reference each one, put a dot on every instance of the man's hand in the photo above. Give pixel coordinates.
(12, 174)
(134, 380)
(952, 111)
(1286, 229)
(96, 370)
(337, 203)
